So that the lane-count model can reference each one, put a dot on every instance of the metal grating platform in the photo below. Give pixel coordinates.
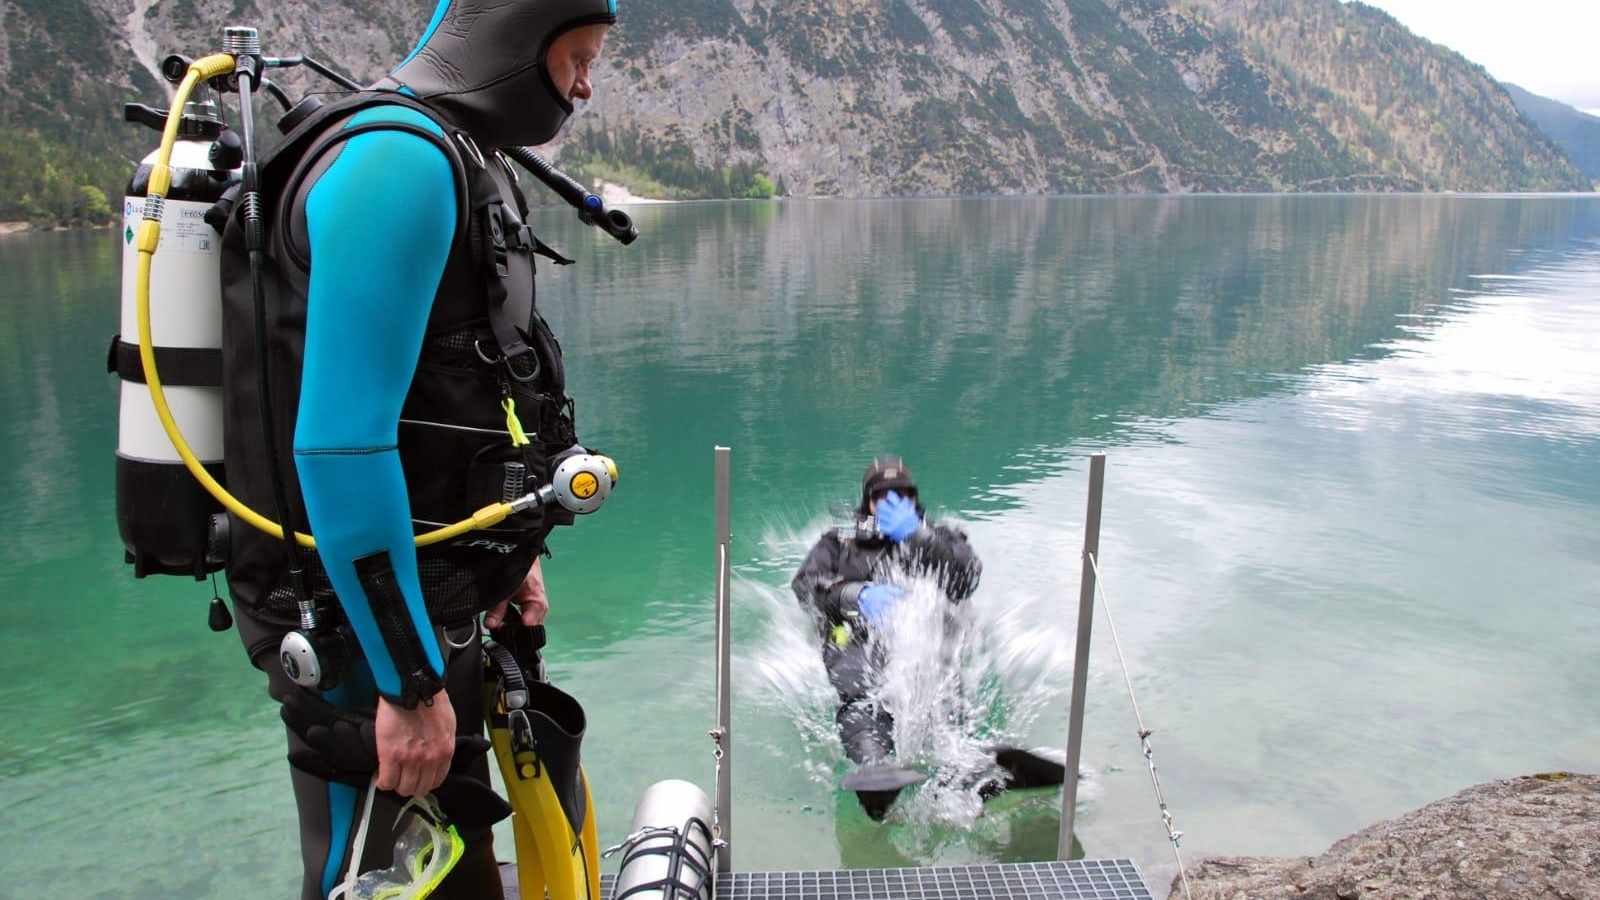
(1082, 879)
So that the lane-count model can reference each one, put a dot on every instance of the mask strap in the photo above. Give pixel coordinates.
(353, 871)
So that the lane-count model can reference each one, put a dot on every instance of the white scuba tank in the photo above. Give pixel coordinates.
(163, 514)
(668, 854)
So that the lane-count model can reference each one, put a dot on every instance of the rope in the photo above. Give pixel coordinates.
(1173, 834)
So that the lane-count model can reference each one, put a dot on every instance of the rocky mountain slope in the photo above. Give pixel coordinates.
(887, 97)
(1576, 132)
(1401, 104)
(1023, 96)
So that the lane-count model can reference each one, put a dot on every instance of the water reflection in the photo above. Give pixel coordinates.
(974, 330)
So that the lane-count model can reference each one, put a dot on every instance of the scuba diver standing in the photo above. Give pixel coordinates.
(849, 584)
(410, 370)
(377, 316)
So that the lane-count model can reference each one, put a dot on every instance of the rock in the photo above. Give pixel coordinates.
(1519, 839)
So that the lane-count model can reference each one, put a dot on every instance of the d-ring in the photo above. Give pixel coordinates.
(477, 346)
(473, 631)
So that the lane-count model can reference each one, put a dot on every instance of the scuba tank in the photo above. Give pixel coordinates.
(669, 853)
(169, 524)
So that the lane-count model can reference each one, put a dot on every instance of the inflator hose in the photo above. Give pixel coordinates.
(253, 240)
(146, 241)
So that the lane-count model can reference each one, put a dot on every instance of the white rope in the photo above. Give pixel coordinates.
(1173, 834)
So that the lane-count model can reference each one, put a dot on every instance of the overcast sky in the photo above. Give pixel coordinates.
(1549, 47)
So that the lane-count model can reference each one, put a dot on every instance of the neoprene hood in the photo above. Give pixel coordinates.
(886, 473)
(482, 62)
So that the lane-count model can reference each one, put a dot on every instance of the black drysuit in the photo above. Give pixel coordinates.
(828, 585)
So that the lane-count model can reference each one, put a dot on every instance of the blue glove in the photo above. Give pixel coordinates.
(875, 601)
(897, 517)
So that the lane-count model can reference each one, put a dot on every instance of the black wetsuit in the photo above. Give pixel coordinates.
(828, 584)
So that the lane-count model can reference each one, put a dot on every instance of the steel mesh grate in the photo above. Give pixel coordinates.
(1081, 879)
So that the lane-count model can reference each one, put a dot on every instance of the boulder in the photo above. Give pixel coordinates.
(1519, 839)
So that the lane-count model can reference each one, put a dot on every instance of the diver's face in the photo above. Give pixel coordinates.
(569, 59)
(878, 496)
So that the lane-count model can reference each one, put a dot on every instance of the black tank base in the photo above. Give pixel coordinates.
(164, 516)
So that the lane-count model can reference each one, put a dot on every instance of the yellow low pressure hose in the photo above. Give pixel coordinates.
(149, 236)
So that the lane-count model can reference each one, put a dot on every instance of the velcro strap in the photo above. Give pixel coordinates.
(177, 366)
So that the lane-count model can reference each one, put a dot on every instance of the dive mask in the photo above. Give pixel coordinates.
(425, 851)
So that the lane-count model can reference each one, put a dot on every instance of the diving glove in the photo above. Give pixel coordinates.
(897, 517)
(343, 747)
(876, 600)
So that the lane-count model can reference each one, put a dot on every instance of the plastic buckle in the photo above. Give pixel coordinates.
(497, 234)
(521, 729)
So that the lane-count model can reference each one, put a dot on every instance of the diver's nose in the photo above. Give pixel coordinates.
(581, 90)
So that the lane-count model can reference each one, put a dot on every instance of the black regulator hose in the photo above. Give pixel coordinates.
(591, 209)
(248, 70)
(278, 94)
(332, 75)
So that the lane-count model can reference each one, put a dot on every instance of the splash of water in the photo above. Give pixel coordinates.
(960, 680)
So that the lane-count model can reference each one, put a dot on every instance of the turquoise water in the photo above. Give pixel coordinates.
(1348, 521)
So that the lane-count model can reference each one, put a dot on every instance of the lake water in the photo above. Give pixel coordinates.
(1350, 522)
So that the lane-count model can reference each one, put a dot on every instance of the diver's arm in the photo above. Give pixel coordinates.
(817, 571)
(819, 587)
(945, 551)
(381, 221)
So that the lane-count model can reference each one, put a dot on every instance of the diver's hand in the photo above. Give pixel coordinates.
(897, 517)
(415, 745)
(530, 596)
(876, 600)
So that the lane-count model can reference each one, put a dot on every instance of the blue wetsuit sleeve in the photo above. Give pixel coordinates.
(380, 220)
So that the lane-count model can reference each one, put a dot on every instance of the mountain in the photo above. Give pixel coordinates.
(1574, 131)
(859, 98)
(1402, 104)
(1023, 96)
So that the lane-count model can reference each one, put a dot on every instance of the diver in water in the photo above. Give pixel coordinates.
(849, 584)
(413, 378)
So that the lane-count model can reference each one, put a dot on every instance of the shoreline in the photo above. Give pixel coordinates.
(618, 195)
(7, 229)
